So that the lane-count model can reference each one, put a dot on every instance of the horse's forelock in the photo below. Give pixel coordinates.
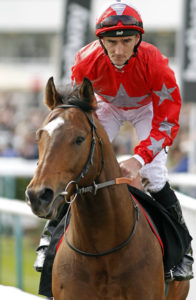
(70, 95)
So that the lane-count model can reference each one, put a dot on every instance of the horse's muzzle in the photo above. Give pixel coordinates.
(40, 200)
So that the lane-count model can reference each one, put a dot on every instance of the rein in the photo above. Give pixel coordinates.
(108, 251)
(94, 187)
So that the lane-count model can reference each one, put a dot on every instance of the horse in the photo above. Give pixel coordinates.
(109, 251)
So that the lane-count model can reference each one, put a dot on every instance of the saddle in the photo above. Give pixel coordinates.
(171, 235)
(174, 237)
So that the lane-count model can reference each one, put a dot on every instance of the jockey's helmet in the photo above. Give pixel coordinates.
(119, 18)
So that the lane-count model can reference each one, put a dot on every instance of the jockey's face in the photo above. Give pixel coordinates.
(120, 49)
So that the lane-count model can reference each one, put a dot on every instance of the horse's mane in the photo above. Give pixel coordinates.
(71, 96)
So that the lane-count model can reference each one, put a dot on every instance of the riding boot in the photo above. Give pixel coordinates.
(46, 237)
(168, 199)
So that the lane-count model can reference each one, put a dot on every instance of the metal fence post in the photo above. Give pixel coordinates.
(18, 251)
(10, 187)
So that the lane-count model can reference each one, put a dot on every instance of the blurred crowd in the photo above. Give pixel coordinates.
(19, 120)
(21, 114)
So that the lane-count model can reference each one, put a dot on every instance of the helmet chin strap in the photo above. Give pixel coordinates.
(127, 61)
(102, 45)
(136, 46)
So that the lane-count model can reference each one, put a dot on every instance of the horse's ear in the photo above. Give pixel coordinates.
(87, 92)
(52, 97)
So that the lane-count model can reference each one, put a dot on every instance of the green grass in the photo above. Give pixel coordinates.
(30, 282)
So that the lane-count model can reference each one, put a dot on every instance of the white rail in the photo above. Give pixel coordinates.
(9, 292)
(183, 179)
(19, 167)
(15, 207)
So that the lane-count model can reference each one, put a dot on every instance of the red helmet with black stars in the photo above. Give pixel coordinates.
(119, 17)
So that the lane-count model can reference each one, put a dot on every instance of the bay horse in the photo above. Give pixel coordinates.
(109, 251)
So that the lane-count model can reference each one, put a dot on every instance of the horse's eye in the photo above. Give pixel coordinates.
(79, 140)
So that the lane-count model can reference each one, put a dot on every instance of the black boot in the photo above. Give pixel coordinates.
(167, 198)
(46, 237)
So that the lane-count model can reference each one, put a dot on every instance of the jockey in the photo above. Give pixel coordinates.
(133, 82)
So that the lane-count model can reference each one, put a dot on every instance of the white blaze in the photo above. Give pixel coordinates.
(51, 126)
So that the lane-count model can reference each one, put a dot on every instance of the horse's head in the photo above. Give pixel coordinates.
(66, 148)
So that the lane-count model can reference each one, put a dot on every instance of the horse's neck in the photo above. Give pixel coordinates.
(107, 216)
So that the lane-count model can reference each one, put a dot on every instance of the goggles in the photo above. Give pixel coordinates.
(124, 19)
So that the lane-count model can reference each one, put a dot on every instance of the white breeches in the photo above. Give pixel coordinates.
(154, 174)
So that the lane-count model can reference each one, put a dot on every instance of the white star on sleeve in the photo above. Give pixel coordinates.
(156, 146)
(165, 94)
(166, 126)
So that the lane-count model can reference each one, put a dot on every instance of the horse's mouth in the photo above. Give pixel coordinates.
(45, 202)
(45, 210)
(53, 208)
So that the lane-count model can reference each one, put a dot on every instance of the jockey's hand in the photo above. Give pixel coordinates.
(130, 167)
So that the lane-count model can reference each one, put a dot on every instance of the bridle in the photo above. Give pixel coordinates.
(92, 149)
(94, 187)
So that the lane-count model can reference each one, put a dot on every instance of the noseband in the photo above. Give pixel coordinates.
(93, 188)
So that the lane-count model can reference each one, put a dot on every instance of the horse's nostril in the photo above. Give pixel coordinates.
(46, 194)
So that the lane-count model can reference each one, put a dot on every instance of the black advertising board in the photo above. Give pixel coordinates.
(189, 52)
(75, 33)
